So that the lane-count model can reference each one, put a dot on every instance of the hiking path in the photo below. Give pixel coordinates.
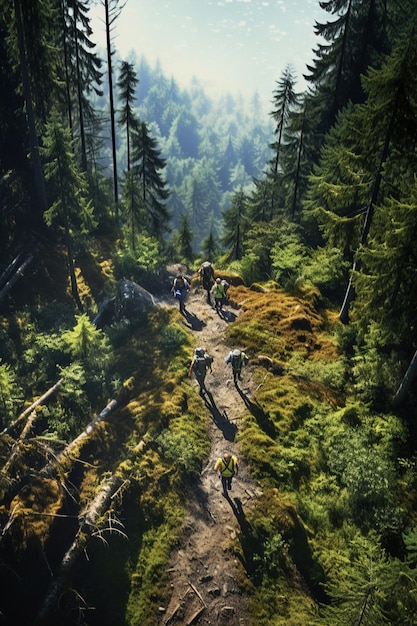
(203, 569)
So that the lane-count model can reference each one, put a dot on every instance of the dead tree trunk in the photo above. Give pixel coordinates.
(17, 272)
(89, 521)
(66, 454)
(32, 407)
(406, 382)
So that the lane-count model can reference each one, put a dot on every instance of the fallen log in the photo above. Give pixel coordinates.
(15, 275)
(32, 407)
(88, 525)
(66, 453)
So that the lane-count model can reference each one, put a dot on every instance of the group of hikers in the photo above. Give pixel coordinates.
(216, 289)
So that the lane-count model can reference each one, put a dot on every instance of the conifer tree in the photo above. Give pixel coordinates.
(127, 85)
(67, 188)
(185, 239)
(235, 226)
(368, 156)
(209, 247)
(82, 68)
(134, 210)
(112, 10)
(354, 40)
(284, 99)
(149, 166)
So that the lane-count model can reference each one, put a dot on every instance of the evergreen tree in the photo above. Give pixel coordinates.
(184, 240)
(127, 85)
(356, 39)
(68, 190)
(235, 226)
(134, 210)
(149, 165)
(209, 247)
(284, 99)
(82, 69)
(112, 9)
(226, 162)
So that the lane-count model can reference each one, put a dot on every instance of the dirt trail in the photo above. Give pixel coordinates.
(203, 570)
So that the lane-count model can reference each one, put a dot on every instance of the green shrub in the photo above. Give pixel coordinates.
(172, 338)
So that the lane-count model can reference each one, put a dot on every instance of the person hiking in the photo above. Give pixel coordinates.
(219, 294)
(206, 274)
(227, 467)
(238, 359)
(199, 365)
(180, 288)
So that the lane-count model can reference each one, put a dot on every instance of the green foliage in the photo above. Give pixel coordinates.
(289, 256)
(327, 269)
(135, 263)
(360, 583)
(172, 338)
(181, 450)
(375, 367)
(10, 394)
(86, 343)
(332, 374)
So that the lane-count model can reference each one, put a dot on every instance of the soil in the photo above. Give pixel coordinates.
(203, 570)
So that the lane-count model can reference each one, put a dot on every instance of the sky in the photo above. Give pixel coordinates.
(235, 46)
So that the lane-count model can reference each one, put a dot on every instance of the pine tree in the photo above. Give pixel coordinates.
(235, 226)
(148, 167)
(284, 100)
(68, 191)
(357, 38)
(134, 210)
(185, 239)
(112, 10)
(82, 69)
(209, 247)
(127, 85)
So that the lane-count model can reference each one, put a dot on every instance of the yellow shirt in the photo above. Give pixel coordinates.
(228, 468)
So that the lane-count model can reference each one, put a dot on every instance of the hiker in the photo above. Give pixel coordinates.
(238, 359)
(227, 468)
(219, 294)
(206, 273)
(199, 365)
(180, 288)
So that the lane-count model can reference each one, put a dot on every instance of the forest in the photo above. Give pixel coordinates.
(113, 180)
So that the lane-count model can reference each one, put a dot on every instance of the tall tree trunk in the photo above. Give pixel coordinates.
(79, 94)
(350, 291)
(112, 113)
(40, 200)
(406, 382)
(71, 268)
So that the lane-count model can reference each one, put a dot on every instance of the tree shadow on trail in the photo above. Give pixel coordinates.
(193, 322)
(263, 418)
(220, 419)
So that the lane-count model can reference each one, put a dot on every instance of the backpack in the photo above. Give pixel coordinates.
(236, 359)
(202, 360)
(206, 269)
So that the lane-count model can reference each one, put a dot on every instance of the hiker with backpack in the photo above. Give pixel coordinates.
(238, 359)
(199, 365)
(206, 274)
(219, 294)
(180, 288)
(227, 467)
